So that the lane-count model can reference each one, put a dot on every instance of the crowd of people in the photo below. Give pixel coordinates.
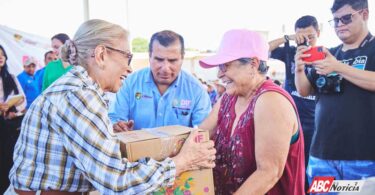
(58, 123)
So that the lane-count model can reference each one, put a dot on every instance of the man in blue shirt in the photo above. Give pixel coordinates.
(48, 57)
(161, 94)
(28, 81)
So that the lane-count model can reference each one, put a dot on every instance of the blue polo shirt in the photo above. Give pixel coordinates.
(30, 87)
(184, 103)
(39, 77)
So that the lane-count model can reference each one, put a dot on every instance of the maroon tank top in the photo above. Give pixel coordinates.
(235, 159)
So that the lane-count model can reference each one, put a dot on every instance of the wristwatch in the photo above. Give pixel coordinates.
(286, 37)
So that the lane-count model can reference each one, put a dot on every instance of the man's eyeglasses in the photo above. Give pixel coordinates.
(126, 54)
(345, 19)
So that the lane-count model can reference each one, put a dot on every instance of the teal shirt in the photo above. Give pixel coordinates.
(53, 71)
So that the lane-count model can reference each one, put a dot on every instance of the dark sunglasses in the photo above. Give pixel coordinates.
(126, 54)
(345, 19)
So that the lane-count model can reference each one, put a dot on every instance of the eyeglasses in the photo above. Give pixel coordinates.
(223, 67)
(345, 19)
(126, 54)
(242, 61)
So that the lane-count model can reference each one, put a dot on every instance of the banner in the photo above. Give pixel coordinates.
(18, 44)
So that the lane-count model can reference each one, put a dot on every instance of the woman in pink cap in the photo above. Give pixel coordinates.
(254, 125)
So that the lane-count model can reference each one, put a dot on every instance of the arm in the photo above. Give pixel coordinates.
(362, 78)
(85, 135)
(201, 108)
(303, 85)
(276, 43)
(272, 141)
(297, 38)
(210, 122)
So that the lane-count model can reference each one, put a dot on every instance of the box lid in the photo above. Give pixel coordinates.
(152, 133)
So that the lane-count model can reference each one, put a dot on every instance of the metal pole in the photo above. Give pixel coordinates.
(86, 11)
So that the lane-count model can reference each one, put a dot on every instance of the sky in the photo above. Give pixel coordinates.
(201, 22)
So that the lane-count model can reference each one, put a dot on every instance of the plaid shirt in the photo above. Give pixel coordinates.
(66, 144)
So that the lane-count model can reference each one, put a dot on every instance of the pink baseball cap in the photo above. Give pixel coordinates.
(28, 60)
(236, 44)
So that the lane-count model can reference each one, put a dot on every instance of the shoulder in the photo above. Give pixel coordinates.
(53, 64)
(138, 77)
(21, 75)
(273, 102)
(333, 50)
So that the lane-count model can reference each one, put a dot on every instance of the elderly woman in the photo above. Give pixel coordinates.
(255, 124)
(66, 144)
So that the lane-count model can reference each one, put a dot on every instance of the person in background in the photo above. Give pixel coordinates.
(28, 80)
(306, 29)
(220, 87)
(67, 145)
(277, 82)
(56, 68)
(344, 83)
(48, 57)
(211, 90)
(161, 94)
(255, 124)
(10, 118)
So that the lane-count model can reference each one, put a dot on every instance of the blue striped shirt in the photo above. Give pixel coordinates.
(66, 144)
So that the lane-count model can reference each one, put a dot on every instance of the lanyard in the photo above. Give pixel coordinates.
(365, 41)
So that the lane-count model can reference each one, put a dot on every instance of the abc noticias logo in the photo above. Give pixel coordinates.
(329, 184)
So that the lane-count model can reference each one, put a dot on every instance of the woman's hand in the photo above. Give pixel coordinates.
(4, 107)
(195, 155)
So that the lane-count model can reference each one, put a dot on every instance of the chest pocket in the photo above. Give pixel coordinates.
(183, 115)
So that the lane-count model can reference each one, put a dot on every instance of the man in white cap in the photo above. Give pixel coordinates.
(28, 80)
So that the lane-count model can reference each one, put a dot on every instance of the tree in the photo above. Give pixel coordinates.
(140, 44)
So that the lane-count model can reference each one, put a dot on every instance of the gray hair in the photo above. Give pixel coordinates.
(263, 68)
(89, 35)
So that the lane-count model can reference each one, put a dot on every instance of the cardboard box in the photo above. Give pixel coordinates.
(159, 143)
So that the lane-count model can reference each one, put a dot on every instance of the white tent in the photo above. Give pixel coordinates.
(18, 44)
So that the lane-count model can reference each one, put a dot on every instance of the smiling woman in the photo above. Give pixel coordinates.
(251, 159)
(68, 126)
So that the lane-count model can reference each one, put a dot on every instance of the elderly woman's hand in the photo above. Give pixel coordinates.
(195, 155)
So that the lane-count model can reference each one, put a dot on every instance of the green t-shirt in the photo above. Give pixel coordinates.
(53, 71)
